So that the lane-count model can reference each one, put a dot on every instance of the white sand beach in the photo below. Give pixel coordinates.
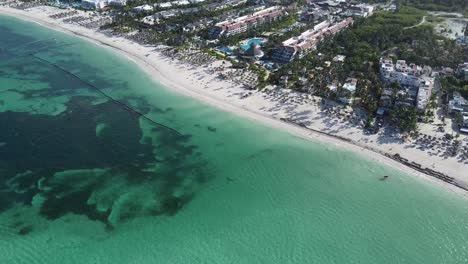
(266, 107)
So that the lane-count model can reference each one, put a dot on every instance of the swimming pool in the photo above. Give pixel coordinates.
(248, 42)
(226, 50)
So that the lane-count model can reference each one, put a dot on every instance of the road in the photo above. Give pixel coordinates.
(423, 20)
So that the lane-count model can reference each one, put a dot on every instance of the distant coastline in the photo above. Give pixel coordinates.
(181, 78)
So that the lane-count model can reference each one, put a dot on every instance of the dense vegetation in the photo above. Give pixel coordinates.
(384, 34)
(389, 32)
(453, 84)
(404, 117)
(438, 5)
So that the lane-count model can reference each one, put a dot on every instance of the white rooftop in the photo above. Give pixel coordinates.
(144, 8)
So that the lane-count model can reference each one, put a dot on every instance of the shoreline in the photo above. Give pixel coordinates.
(182, 85)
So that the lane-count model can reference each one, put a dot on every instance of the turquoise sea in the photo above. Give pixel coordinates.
(98, 164)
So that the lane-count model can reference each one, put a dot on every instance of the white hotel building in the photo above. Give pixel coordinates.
(411, 75)
(298, 47)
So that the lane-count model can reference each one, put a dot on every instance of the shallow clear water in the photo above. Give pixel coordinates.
(84, 178)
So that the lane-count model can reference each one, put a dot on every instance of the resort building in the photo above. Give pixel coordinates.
(462, 71)
(363, 10)
(149, 20)
(117, 2)
(298, 47)
(181, 2)
(164, 5)
(201, 24)
(462, 40)
(347, 91)
(457, 104)
(464, 124)
(156, 18)
(143, 8)
(401, 73)
(94, 4)
(339, 58)
(411, 76)
(330, 5)
(224, 4)
(424, 92)
(242, 24)
(386, 99)
(177, 3)
(314, 16)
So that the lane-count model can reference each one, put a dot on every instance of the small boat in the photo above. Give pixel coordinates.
(384, 178)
